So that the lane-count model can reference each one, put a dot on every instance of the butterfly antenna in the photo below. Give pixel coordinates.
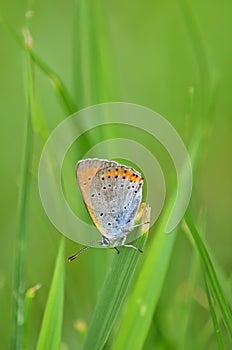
(74, 256)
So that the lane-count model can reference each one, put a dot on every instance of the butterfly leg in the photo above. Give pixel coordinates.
(105, 242)
(142, 223)
(117, 250)
(129, 245)
(134, 247)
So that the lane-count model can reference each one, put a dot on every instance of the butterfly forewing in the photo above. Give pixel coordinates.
(85, 172)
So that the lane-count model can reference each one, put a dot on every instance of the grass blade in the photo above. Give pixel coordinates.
(199, 49)
(114, 291)
(64, 97)
(211, 274)
(93, 68)
(24, 189)
(50, 332)
(30, 295)
(213, 315)
(146, 292)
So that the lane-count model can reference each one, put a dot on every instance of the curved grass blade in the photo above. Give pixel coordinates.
(64, 97)
(210, 274)
(213, 315)
(50, 333)
(114, 290)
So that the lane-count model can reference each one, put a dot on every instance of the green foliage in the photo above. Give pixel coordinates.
(51, 328)
(114, 290)
(175, 59)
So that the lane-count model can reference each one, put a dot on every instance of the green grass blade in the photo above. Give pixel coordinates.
(21, 237)
(200, 52)
(213, 315)
(114, 291)
(211, 274)
(64, 97)
(29, 297)
(50, 332)
(146, 291)
(187, 309)
(93, 70)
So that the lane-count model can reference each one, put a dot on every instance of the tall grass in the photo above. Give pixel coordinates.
(23, 209)
(126, 289)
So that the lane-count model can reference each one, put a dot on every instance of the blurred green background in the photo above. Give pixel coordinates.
(173, 57)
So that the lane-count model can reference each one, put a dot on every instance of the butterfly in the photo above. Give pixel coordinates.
(112, 194)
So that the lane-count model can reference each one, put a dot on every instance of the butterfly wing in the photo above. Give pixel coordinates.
(85, 171)
(115, 195)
